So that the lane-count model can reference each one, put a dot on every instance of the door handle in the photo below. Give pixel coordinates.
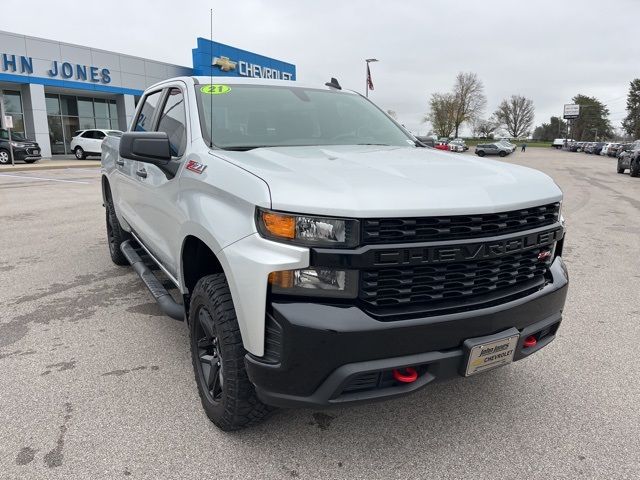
(120, 162)
(141, 173)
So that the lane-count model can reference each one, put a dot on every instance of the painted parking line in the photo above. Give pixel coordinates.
(26, 177)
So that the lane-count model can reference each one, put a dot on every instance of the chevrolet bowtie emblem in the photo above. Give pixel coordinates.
(224, 63)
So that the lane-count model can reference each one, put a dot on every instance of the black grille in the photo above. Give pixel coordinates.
(448, 287)
(377, 231)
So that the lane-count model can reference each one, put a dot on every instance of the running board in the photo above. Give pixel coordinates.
(166, 302)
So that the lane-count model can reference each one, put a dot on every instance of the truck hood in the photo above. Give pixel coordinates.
(372, 181)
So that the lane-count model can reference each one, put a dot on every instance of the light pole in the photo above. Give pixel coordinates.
(368, 75)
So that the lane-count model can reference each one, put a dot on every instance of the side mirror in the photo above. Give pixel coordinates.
(149, 147)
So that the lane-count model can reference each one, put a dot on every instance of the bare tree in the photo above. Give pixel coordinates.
(442, 108)
(485, 128)
(470, 101)
(516, 114)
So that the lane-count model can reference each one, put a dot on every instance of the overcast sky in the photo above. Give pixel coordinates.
(545, 50)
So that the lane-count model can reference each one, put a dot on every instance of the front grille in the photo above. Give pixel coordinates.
(376, 231)
(448, 287)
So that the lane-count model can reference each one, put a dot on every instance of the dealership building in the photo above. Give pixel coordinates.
(52, 89)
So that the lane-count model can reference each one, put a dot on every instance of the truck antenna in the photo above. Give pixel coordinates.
(211, 80)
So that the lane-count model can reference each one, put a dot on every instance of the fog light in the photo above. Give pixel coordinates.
(320, 282)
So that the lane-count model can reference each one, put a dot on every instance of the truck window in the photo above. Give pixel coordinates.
(173, 122)
(145, 117)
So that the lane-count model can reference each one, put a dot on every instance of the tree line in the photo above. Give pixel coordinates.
(593, 122)
(465, 104)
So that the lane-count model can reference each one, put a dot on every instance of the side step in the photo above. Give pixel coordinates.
(166, 302)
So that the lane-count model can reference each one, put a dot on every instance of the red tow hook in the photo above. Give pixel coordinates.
(529, 342)
(405, 375)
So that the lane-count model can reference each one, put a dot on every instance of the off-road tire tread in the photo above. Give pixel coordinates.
(119, 234)
(241, 407)
(634, 168)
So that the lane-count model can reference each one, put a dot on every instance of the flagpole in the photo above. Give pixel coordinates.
(367, 77)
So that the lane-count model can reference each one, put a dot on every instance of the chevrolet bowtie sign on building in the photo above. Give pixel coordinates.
(213, 58)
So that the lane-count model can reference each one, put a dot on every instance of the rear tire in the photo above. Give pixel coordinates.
(228, 397)
(115, 234)
(79, 153)
(621, 169)
(634, 168)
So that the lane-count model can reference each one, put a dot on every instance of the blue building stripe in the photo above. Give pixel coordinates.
(51, 82)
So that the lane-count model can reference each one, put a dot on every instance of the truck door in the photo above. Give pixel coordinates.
(160, 217)
(128, 184)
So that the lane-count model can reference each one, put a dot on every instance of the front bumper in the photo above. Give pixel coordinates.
(321, 355)
(26, 153)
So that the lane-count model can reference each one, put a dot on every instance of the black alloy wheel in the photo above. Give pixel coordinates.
(210, 369)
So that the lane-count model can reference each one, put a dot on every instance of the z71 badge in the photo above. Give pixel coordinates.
(196, 166)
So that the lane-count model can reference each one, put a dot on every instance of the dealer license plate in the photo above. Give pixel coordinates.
(493, 354)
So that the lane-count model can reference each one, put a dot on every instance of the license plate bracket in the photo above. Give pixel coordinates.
(489, 352)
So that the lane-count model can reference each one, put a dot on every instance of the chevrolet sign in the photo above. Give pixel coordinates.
(246, 69)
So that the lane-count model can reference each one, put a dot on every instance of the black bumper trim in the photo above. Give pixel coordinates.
(324, 346)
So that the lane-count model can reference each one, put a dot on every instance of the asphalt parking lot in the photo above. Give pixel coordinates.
(96, 383)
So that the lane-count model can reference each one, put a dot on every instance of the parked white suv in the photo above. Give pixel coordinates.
(320, 254)
(89, 142)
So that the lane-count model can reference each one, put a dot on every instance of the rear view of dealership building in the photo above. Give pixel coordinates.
(51, 89)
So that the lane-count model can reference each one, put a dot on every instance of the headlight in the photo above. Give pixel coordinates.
(16, 144)
(316, 282)
(307, 230)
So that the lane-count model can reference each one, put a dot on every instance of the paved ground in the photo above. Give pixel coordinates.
(95, 383)
(58, 162)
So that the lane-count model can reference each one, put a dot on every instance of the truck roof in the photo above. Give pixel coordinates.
(205, 80)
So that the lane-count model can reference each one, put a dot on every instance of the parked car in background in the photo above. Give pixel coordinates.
(458, 145)
(623, 147)
(588, 147)
(23, 148)
(492, 149)
(560, 142)
(630, 159)
(597, 148)
(426, 140)
(507, 144)
(442, 146)
(573, 146)
(607, 147)
(89, 142)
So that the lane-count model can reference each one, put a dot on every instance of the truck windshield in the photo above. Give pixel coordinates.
(242, 117)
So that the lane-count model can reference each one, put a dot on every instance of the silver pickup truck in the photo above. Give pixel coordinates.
(319, 253)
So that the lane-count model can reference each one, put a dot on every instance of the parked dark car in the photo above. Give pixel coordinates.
(597, 148)
(573, 146)
(630, 159)
(23, 148)
(623, 148)
(492, 149)
(428, 141)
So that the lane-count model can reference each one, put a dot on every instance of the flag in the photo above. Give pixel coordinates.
(369, 81)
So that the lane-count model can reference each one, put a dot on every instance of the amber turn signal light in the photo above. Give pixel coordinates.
(282, 279)
(279, 225)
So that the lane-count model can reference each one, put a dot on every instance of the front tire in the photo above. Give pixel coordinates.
(503, 153)
(115, 235)
(217, 353)
(634, 168)
(80, 153)
(480, 153)
(5, 157)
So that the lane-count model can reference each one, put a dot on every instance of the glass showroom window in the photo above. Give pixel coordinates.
(68, 113)
(13, 107)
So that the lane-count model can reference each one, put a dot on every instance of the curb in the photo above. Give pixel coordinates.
(46, 166)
